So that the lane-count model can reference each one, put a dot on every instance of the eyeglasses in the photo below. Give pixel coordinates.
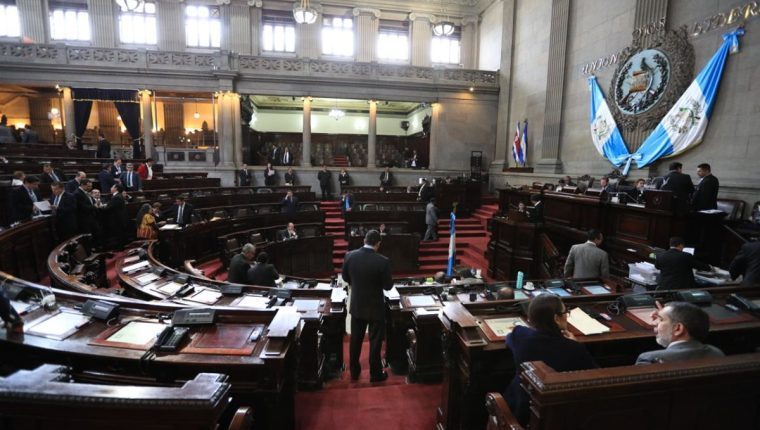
(565, 312)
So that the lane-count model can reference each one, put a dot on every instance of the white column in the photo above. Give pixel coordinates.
(171, 26)
(102, 22)
(146, 105)
(308, 39)
(367, 25)
(238, 124)
(255, 20)
(69, 129)
(470, 30)
(435, 133)
(372, 134)
(422, 36)
(226, 128)
(33, 14)
(306, 150)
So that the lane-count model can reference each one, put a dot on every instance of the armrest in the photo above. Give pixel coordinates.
(243, 419)
(500, 417)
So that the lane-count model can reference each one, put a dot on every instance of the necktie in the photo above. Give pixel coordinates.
(129, 179)
(55, 177)
(32, 195)
(57, 199)
(179, 214)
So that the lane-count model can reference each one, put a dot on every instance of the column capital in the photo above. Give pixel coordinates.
(470, 19)
(255, 3)
(415, 16)
(366, 11)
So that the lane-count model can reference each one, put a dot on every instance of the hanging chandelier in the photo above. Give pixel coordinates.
(129, 5)
(336, 114)
(304, 13)
(443, 28)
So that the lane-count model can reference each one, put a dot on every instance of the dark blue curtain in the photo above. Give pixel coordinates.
(126, 103)
(130, 116)
(82, 111)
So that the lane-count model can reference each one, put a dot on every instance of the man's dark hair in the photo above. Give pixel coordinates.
(705, 166)
(542, 310)
(106, 166)
(675, 166)
(693, 318)
(372, 238)
(84, 182)
(263, 257)
(148, 160)
(119, 187)
(594, 234)
(57, 184)
(535, 198)
(676, 241)
(180, 197)
(31, 180)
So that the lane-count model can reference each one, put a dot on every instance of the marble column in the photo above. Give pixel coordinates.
(171, 26)
(307, 45)
(421, 38)
(306, 149)
(69, 127)
(469, 46)
(238, 132)
(501, 148)
(436, 131)
(255, 31)
(102, 23)
(372, 134)
(146, 105)
(367, 26)
(555, 87)
(226, 124)
(34, 16)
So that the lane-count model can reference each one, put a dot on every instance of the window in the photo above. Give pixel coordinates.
(138, 26)
(10, 25)
(338, 36)
(69, 22)
(203, 27)
(278, 32)
(393, 41)
(445, 49)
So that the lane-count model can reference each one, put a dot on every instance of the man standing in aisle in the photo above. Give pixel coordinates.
(431, 219)
(324, 177)
(368, 273)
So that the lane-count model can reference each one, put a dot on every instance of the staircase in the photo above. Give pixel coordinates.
(340, 161)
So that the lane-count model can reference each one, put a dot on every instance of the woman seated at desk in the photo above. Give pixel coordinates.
(549, 341)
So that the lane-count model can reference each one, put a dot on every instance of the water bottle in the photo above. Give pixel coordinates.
(520, 279)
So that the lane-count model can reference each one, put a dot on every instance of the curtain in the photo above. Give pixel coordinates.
(82, 111)
(104, 95)
(130, 116)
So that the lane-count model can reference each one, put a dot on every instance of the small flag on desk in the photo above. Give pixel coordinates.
(452, 244)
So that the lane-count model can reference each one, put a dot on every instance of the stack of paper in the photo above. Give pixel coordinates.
(585, 324)
(135, 267)
(392, 294)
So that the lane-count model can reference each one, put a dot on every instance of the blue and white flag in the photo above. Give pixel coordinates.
(604, 131)
(523, 154)
(452, 244)
(685, 124)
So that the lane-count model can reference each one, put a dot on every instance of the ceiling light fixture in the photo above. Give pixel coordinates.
(129, 5)
(443, 27)
(336, 114)
(197, 114)
(304, 13)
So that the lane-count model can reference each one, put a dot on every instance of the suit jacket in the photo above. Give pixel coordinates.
(117, 218)
(48, 179)
(283, 235)
(385, 181)
(85, 212)
(558, 352)
(6, 135)
(343, 179)
(105, 181)
(289, 206)
(104, 149)
(426, 192)
(22, 205)
(290, 178)
(116, 173)
(536, 214)
(287, 159)
(270, 180)
(747, 263)
(586, 260)
(324, 178)
(368, 273)
(244, 177)
(262, 274)
(706, 194)
(65, 215)
(275, 158)
(681, 186)
(71, 186)
(676, 269)
(609, 189)
(173, 212)
(238, 271)
(681, 351)
(136, 181)
(30, 136)
(431, 214)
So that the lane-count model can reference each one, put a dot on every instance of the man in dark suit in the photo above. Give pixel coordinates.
(682, 329)
(29, 135)
(386, 178)
(604, 184)
(104, 147)
(289, 233)
(431, 220)
(324, 177)
(368, 273)
(676, 267)
(85, 209)
(181, 211)
(64, 206)
(130, 180)
(262, 273)
(290, 177)
(536, 213)
(105, 179)
(116, 169)
(50, 175)
(23, 199)
(245, 178)
(238, 270)
(289, 203)
(426, 191)
(73, 184)
(287, 157)
(747, 263)
(116, 211)
(680, 185)
(706, 193)
(274, 158)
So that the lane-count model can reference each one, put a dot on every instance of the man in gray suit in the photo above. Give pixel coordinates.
(681, 328)
(431, 219)
(586, 260)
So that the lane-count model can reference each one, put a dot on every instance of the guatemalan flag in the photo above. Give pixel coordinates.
(452, 244)
(523, 154)
(604, 131)
(686, 122)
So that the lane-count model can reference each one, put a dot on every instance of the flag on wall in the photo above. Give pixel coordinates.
(516, 144)
(686, 122)
(604, 130)
(523, 153)
(452, 244)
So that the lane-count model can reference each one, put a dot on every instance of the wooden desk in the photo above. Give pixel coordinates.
(402, 249)
(157, 184)
(306, 256)
(25, 248)
(411, 213)
(220, 197)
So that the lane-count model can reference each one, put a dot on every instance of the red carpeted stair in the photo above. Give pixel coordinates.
(340, 161)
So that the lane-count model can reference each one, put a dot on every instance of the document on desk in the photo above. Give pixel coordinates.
(43, 206)
(135, 267)
(392, 294)
(170, 227)
(338, 295)
(503, 326)
(137, 332)
(322, 286)
(585, 324)
(421, 301)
